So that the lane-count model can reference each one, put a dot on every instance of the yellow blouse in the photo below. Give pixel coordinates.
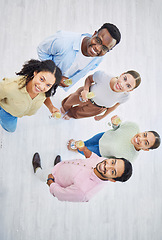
(16, 100)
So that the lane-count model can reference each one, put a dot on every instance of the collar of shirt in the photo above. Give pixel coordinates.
(77, 44)
(93, 177)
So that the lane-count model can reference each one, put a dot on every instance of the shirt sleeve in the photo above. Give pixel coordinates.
(97, 76)
(94, 155)
(101, 77)
(71, 193)
(124, 97)
(51, 46)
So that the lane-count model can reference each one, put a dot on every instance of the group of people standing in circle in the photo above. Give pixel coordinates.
(69, 55)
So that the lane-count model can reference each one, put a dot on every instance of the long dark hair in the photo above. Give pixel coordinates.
(33, 65)
(113, 30)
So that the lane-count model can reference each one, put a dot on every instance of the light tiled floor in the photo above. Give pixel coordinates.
(121, 211)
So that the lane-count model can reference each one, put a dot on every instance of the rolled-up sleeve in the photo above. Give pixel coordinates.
(71, 193)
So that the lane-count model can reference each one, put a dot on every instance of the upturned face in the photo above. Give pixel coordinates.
(100, 43)
(143, 141)
(125, 83)
(110, 168)
(42, 82)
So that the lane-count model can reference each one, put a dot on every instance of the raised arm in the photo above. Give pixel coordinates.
(108, 110)
(86, 151)
(87, 84)
(50, 106)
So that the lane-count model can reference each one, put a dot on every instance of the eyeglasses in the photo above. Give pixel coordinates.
(99, 42)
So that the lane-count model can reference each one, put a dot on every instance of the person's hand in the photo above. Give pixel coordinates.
(98, 118)
(50, 180)
(115, 120)
(84, 95)
(54, 110)
(80, 145)
(81, 149)
(62, 84)
(50, 176)
(69, 145)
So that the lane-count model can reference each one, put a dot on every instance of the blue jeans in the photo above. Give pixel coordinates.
(93, 144)
(7, 121)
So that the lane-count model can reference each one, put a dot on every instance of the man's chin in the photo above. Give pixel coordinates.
(91, 52)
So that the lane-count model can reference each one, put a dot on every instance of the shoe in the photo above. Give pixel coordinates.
(36, 162)
(57, 159)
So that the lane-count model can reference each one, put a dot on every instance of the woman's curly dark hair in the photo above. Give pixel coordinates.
(33, 65)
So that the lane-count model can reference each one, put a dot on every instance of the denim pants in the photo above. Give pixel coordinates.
(93, 144)
(7, 121)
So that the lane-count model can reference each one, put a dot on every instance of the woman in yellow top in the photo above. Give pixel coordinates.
(25, 93)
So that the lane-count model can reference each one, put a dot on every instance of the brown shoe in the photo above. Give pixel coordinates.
(36, 162)
(57, 159)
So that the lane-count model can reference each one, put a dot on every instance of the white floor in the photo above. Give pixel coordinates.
(127, 211)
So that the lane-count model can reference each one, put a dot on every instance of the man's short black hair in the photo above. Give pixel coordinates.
(127, 171)
(113, 30)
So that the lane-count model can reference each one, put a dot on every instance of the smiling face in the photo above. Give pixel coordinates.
(125, 83)
(110, 168)
(42, 82)
(98, 43)
(143, 141)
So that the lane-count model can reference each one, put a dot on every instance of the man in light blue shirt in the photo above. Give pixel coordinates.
(76, 54)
